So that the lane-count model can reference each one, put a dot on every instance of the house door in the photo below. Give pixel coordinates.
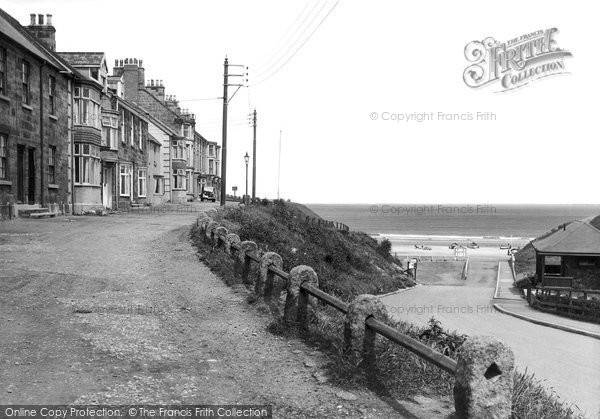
(107, 186)
(31, 176)
(20, 174)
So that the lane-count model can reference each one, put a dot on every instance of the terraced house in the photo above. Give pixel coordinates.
(35, 88)
(78, 139)
(183, 174)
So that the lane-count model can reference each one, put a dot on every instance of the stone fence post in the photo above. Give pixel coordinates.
(242, 263)
(219, 236)
(210, 230)
(484, 379)
(231, 239)
(298, 276)
(264, 283)
(359, 339)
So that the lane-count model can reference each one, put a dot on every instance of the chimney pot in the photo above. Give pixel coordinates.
(49, 20)
(126, 61)
(41, 19)
(152, 83)
(121, 62)
(135, 61)
(32, 17)
(116, 63)
(141, 63)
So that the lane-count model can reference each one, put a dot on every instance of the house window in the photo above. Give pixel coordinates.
(188, 181)
(211, 167)
(86, 110)
(2, 71)
(3, 157)
(179, 179)
(87, 164)
(142, 174)
(140, 142)
(110, 131)
(52, 164)
(159, 185)
(177, 149)
(133, 129)
(211, 151)
(186, 131)
(51, 94)
(125, 180)
(25, 75)
(126, 127)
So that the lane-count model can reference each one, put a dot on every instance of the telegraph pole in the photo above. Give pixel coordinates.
(224, 137)
(226, 100)
(254, 156)
(279, 165)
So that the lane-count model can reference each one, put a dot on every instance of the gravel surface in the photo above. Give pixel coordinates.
(118, 310)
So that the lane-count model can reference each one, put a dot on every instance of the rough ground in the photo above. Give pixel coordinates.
(118, 310)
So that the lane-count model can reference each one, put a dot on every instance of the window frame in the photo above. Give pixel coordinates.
(25, 82)
(52, 94)
(3, 67)
(128, 174)
(4, 156)
(142, 182)
(52, 164)
(87, 163)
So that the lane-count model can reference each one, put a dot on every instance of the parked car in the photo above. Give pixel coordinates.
(453, 246)
(208, 193)
(513, 250)
(505, 246)
(473, 245)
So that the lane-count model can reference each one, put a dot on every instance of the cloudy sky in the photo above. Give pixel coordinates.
(318, 70)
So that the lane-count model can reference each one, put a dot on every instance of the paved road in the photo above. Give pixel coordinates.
(118, 310)
(568, 362)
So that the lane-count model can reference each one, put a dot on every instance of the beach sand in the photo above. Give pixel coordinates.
(489, 248)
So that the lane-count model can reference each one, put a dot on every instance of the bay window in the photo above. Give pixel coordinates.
(86, 109)
(87, 164)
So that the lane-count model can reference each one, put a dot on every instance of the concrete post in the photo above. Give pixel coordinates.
(230, 239)
(484, 379)
(357, 342)
(298, 275)
(242, 263)
(219, 236)
(264, 284)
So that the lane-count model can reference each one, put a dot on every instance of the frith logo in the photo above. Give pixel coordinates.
(515, 63)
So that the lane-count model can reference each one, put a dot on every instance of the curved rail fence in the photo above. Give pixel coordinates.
(484, 369)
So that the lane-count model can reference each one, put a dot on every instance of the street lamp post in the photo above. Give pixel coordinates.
(246, 159)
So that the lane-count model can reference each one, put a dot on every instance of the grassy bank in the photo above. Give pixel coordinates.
(349, 264)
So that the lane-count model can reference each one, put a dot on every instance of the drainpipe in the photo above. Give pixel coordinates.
(42, 198)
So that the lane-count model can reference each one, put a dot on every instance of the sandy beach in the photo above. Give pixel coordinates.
(489, 247)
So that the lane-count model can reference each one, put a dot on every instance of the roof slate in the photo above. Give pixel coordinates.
(578, 237)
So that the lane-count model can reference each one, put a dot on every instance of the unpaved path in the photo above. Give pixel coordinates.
(118, 310)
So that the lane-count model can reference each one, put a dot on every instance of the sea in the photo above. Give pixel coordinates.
(454, 220)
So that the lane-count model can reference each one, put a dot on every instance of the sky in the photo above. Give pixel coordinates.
(320, 79)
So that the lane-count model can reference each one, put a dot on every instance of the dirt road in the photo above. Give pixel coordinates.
(118, 310)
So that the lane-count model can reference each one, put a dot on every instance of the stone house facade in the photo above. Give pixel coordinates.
(34, 116)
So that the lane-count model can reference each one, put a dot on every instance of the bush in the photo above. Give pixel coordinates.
(384, 248)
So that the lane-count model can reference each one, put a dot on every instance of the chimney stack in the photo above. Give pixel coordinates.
(45, 33)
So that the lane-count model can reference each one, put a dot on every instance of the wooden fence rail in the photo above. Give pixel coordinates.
(581, 304)
(483, 371)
